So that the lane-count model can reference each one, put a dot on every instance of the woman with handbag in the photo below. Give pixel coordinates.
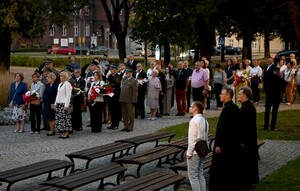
(35, 106)
(288, 76)
(17, 89)
(61, 105)
(198, 128)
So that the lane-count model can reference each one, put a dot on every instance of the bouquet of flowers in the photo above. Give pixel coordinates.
(101, 89)
(239, 78)
(30, 96)
(76, 90)
(141, 81)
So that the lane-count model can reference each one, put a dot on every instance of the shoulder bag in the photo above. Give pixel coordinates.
(201, 146)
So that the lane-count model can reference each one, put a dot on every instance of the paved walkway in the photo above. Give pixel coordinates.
(19, 149)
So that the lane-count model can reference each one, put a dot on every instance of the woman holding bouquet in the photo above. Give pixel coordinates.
(62, 102)
(96, 102)
(241, 78)
(17, 89)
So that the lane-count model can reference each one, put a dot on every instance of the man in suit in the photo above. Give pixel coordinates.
(141, 78)
(189, 90)
(128, 99)
(78, 100)
(132, 63)
(113, 102)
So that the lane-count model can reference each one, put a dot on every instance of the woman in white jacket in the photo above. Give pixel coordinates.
(62, 103)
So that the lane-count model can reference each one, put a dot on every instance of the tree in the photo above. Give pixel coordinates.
(26, 18)
(119, 28)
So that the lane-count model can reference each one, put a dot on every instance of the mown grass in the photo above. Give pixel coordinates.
(283, 179)
(287, 127)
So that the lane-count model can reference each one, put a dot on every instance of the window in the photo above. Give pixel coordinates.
(254, 44)
(51, 30)
(87, 30)
(76, 30)
(64, 30)
(230, 42)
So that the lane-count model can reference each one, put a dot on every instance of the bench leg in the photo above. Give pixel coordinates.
(170, 138)
(87, 164)
(66, 169)
(8, 186)
(101, 185)
(156, 143)
(72, 161)
(49, 176)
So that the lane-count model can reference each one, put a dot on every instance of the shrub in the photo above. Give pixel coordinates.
(5, 80)
(23, 45)
(36, 46)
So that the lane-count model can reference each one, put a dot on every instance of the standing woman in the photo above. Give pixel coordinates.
(255, 79)
(49, 96)
(62, 102)
(17, 89)
(97, 105)
(219, 83)
(288, 75)
(153, 90)
(168, 93)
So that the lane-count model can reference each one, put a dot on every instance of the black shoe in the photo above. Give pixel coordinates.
(178, 114)
(142, 117)
(79, 129)
(45, 129)
(124, 129)
(129, 130)
(50, 134)
(111, 127)
(70, 132)
(160, 115)
(89, 125)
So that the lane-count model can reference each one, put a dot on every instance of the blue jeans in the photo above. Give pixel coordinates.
(195, 173)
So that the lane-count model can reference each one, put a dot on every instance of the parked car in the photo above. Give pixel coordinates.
(98, 50)
(229, 50)
(84, 50)
(285, 53)
(216, 51)
(237, 50)
(61, 50)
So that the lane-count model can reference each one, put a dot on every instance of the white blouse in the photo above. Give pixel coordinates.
(288, 74)
(64, 92)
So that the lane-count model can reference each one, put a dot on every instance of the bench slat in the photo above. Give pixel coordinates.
(147, 138)
(86, 176)
(41, 187)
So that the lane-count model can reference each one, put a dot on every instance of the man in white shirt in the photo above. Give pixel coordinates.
(152, 66)
(198, 128)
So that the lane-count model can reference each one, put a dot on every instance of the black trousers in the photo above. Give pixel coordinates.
(77, 113)
(96, 116)
(188, 98)
(197, 94)
(255, 90)
(161, 103)
(114, 108)
(140, 106)
(218, 89)
(268, 105)
(35, 117)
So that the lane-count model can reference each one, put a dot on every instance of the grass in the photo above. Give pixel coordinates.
(287, 127)
(283, 179)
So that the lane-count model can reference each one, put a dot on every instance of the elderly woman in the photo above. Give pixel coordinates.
(17, 89)
(288, 76)
(49, 96)
(96, 102)
(62, 103)
(154, 87)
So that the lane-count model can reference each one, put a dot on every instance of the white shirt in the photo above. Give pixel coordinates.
(256, 71)
(196, 131)
(64, 92)
(288, 74)
(149, 72)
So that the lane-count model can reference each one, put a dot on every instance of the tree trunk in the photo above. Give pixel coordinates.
(267, 44)
(5, 41)
(293, 11)
(167, 55)
(121, 40)
(247, 46)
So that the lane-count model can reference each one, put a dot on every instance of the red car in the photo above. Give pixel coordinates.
(61, 50)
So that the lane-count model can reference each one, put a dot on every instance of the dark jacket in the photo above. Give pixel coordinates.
(249, 152)
(142, 88)
(224, 169)
(15, 94)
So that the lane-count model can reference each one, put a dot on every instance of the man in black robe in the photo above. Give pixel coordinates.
(224, 168)
(249, 153)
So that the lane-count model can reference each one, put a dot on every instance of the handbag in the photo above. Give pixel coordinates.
(11, 103)
(201, 146)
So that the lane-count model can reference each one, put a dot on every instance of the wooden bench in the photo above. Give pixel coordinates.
(21, 173)
(87, 176)
(183, 165)
(154, 181)
(101, 151)
(157, 153)
(259, 144)
(147, 138)
(41, 187)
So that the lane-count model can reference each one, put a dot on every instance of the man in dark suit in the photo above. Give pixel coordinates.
(162, 78)
(224, 169)
(273, 91)
(128, 99)
(78, 100)
(141, 78)
(189, 90)
(113, 102)
(132, 63)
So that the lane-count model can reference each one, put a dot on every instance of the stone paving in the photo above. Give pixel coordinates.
(19, 149)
